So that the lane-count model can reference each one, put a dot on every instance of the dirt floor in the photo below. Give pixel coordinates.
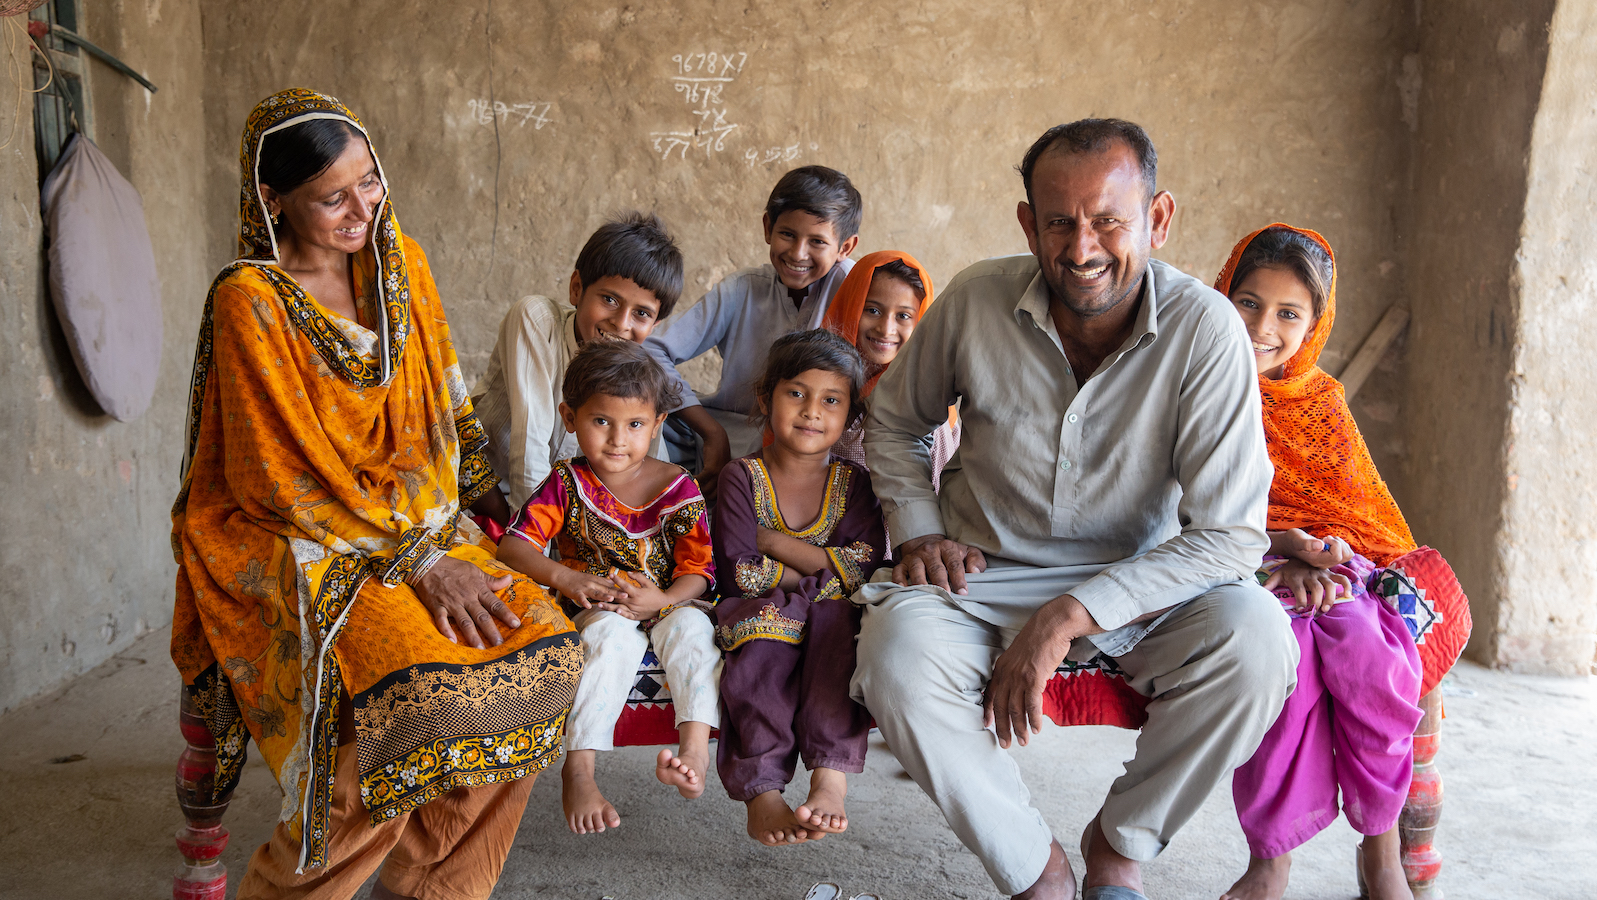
(91, 811)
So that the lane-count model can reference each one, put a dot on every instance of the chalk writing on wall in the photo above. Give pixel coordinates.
(519, 115)
(755, 157)
(701, 79)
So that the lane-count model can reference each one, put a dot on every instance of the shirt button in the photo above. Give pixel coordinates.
(1065, 466)
(1071, 418)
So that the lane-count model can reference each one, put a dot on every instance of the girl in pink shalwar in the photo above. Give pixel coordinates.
(1349, 725)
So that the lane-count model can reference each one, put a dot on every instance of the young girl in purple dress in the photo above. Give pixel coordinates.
(796, 532)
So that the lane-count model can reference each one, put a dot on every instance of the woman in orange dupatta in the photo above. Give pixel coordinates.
(329, 591)
(876, 309)
(1349, 724)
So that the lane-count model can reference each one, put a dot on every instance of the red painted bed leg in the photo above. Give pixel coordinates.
(201, 841)
(1422, 862)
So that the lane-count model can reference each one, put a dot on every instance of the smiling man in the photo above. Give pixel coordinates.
(1108, 499)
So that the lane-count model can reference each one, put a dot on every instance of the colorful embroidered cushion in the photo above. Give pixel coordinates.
(649, 718)
(1092, 693)
(1421, 586)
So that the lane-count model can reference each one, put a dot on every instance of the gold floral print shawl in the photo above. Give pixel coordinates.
(323, 461)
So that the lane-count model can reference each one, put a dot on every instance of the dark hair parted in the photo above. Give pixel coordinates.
(1094, 136)
(824, 193)
(1283, 248)
(299, 153)
(619, 369)
(636, 246)
(904, 272)
(794, 354)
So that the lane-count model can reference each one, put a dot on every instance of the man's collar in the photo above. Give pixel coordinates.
(1034, 301)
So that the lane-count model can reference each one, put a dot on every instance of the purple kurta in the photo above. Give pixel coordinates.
(1348, 725)
(790, 653)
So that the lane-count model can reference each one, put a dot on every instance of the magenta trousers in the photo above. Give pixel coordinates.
(1349, 725)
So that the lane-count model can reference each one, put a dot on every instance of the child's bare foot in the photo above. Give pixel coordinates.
(772, 823)
(681, 771)
(823, 809)
(688, 768)
(1381, 864)
(1265, 879)
(587, 812)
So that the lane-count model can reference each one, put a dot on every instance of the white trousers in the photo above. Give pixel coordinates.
(1218, 670)
(612, 648)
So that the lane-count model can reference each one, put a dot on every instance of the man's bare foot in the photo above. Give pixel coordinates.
(686, 770)
(1265, 879)
(1057, 882)
(1105, 865)
(772, 823)
(587, 812)
(822, 810)
(1381, 864)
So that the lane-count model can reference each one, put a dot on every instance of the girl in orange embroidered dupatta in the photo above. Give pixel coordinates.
(327, 462)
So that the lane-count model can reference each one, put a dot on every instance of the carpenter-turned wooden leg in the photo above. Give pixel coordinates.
(1422, 862)
(202, 839)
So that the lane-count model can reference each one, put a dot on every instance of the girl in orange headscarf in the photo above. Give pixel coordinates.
(1349, 724)
(877, 308)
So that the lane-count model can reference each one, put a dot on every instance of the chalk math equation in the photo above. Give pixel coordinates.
(701, 79)
(535, 113)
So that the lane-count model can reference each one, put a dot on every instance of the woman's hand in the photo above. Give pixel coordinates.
(637, 597)
(1315, 588)
(1317, 552)
(461, 599)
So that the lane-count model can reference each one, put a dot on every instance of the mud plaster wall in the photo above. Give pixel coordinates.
(510, 131)
(1548, 548)
(1479, 70)
(85, 564)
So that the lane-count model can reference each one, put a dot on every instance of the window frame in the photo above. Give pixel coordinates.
(68, 98)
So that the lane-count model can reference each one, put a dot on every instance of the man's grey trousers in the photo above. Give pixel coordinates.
(1218, 670)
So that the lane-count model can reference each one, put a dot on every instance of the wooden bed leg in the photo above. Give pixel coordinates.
(202, 839)
(1422, 862)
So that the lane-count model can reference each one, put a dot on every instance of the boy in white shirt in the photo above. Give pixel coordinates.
(628, 277)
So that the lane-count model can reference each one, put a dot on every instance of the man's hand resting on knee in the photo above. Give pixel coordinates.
(936, 560)
(1013, 704)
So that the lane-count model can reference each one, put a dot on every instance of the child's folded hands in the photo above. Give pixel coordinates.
(1321, 553)
(587, 591)
(636, 595)
(1314, 588)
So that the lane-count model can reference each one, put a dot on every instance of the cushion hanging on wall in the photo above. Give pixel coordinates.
(102, 278)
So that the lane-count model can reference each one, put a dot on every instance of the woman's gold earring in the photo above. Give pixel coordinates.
(276, 216)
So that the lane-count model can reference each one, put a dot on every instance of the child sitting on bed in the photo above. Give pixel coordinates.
(635, 555)
(1349, 725)
(796, 532)
(877, 308)
(811, 225)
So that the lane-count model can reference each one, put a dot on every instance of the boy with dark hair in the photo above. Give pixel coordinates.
(811, 223)
(635, 554)
(627, 278)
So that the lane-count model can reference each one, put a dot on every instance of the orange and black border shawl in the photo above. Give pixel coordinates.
(324, 459)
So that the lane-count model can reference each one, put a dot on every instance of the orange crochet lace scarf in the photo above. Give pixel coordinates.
(1325, 481)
